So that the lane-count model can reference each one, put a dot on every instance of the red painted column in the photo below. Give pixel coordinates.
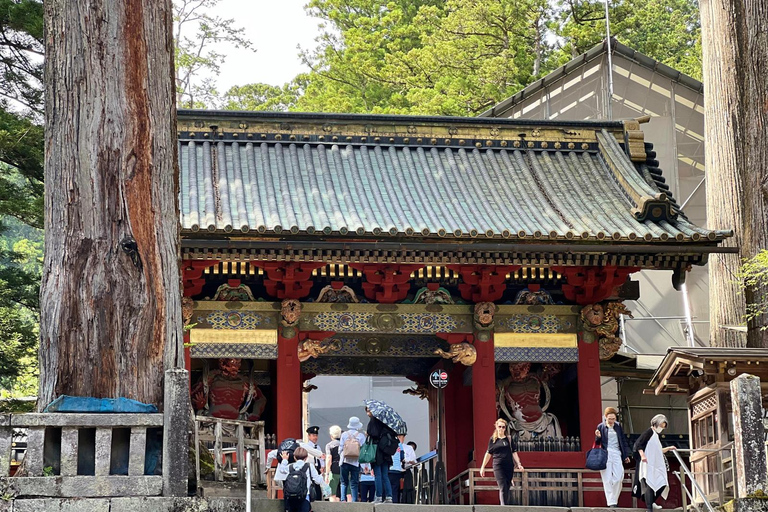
(590, 398)
(483, 398)
(590, 405)
(289, 386)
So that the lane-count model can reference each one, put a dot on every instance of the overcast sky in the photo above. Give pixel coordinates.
(275, 27)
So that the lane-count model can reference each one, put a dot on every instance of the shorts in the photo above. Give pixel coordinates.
(334, 483)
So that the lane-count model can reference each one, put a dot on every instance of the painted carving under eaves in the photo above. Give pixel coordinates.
(464, 353)
(233, 291)
(602, 321)
(337, 295)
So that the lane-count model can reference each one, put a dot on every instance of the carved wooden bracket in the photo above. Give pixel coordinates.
(288, 280)
(483, 283)
(386, 284)
(587, 285)
(192, 275)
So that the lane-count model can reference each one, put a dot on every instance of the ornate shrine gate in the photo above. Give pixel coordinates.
(345, 244)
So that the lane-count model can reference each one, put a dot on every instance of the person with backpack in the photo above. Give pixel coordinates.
(403, 458)
(386, 443)
(296, 480)
(349, 445)
(367, 483)
(287, 445)
(332, 459)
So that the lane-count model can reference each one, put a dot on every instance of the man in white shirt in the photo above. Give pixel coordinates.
(316, 456)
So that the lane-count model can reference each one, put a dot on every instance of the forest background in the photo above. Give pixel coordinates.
(436, 57)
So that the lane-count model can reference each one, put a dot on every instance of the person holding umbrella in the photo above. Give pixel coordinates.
(383, 427)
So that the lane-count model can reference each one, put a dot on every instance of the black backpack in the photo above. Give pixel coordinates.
(296, 484)
(288, 445)
(388, 442)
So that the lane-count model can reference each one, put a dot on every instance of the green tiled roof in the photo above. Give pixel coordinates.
(386, 177)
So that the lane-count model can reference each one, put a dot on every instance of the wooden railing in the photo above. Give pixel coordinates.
(84, 455)
(551, 487)
(229, 461)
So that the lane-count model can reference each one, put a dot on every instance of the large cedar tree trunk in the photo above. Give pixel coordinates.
(735, 56)
(110, 299)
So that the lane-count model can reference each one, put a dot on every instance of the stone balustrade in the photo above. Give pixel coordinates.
(84, 455)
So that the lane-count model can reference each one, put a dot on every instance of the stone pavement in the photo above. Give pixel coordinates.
(259, 505)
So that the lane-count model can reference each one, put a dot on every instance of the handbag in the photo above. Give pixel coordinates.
(597, 458)
(368, 452)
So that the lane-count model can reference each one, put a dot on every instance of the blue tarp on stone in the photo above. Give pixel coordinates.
(67, 403)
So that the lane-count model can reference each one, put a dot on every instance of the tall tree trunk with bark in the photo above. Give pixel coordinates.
(735, 57)
(111, 293)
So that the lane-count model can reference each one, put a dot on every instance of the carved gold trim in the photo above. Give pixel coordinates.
(375, 131)
(259, 336)
(511, 339)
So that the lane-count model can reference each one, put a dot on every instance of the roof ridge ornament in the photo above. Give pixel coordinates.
(650, 204)
(634, 138)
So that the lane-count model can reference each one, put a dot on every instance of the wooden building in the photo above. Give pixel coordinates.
(703, 375)
(499, 250)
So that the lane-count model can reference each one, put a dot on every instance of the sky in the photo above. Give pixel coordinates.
(275, 27)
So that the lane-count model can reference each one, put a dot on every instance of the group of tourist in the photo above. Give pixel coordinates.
(309, 474)
(379, 481)
(650, 476)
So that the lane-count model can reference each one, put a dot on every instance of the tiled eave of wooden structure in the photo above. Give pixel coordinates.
(670, 257)
(404, 178)
(684, 369)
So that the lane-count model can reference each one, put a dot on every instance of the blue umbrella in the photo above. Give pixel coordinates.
(387, 415)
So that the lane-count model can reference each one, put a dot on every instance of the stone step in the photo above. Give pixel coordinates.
(234, 504)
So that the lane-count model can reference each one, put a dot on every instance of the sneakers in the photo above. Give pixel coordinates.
(656, 507)
(388, 500)
(378, 499)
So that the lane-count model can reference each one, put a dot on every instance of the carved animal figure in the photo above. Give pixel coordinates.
(420, 391)
(233, 291)
(484, 312)
(290, 311)
(464, 353)
(313, 348)
(604, 322)
(343, 295)
(187, 309)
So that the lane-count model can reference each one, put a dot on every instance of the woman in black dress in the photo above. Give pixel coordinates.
(503, 448)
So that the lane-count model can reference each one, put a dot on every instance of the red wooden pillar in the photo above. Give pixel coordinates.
(483, 398)
(590, 405)
(289, 388)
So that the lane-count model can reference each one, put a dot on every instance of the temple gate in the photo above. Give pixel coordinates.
(356, 245)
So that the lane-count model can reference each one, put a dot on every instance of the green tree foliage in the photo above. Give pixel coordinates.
(754, 274)
(20, 264)
(21, 53)
(459, 57)
(197, 32)
(21, 191)
(667, 30)
(455, 57)
(266, 97)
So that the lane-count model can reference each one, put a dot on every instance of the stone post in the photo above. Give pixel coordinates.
(748, 443)
(175, 432)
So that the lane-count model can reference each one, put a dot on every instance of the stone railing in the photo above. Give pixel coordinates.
(84, 455)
